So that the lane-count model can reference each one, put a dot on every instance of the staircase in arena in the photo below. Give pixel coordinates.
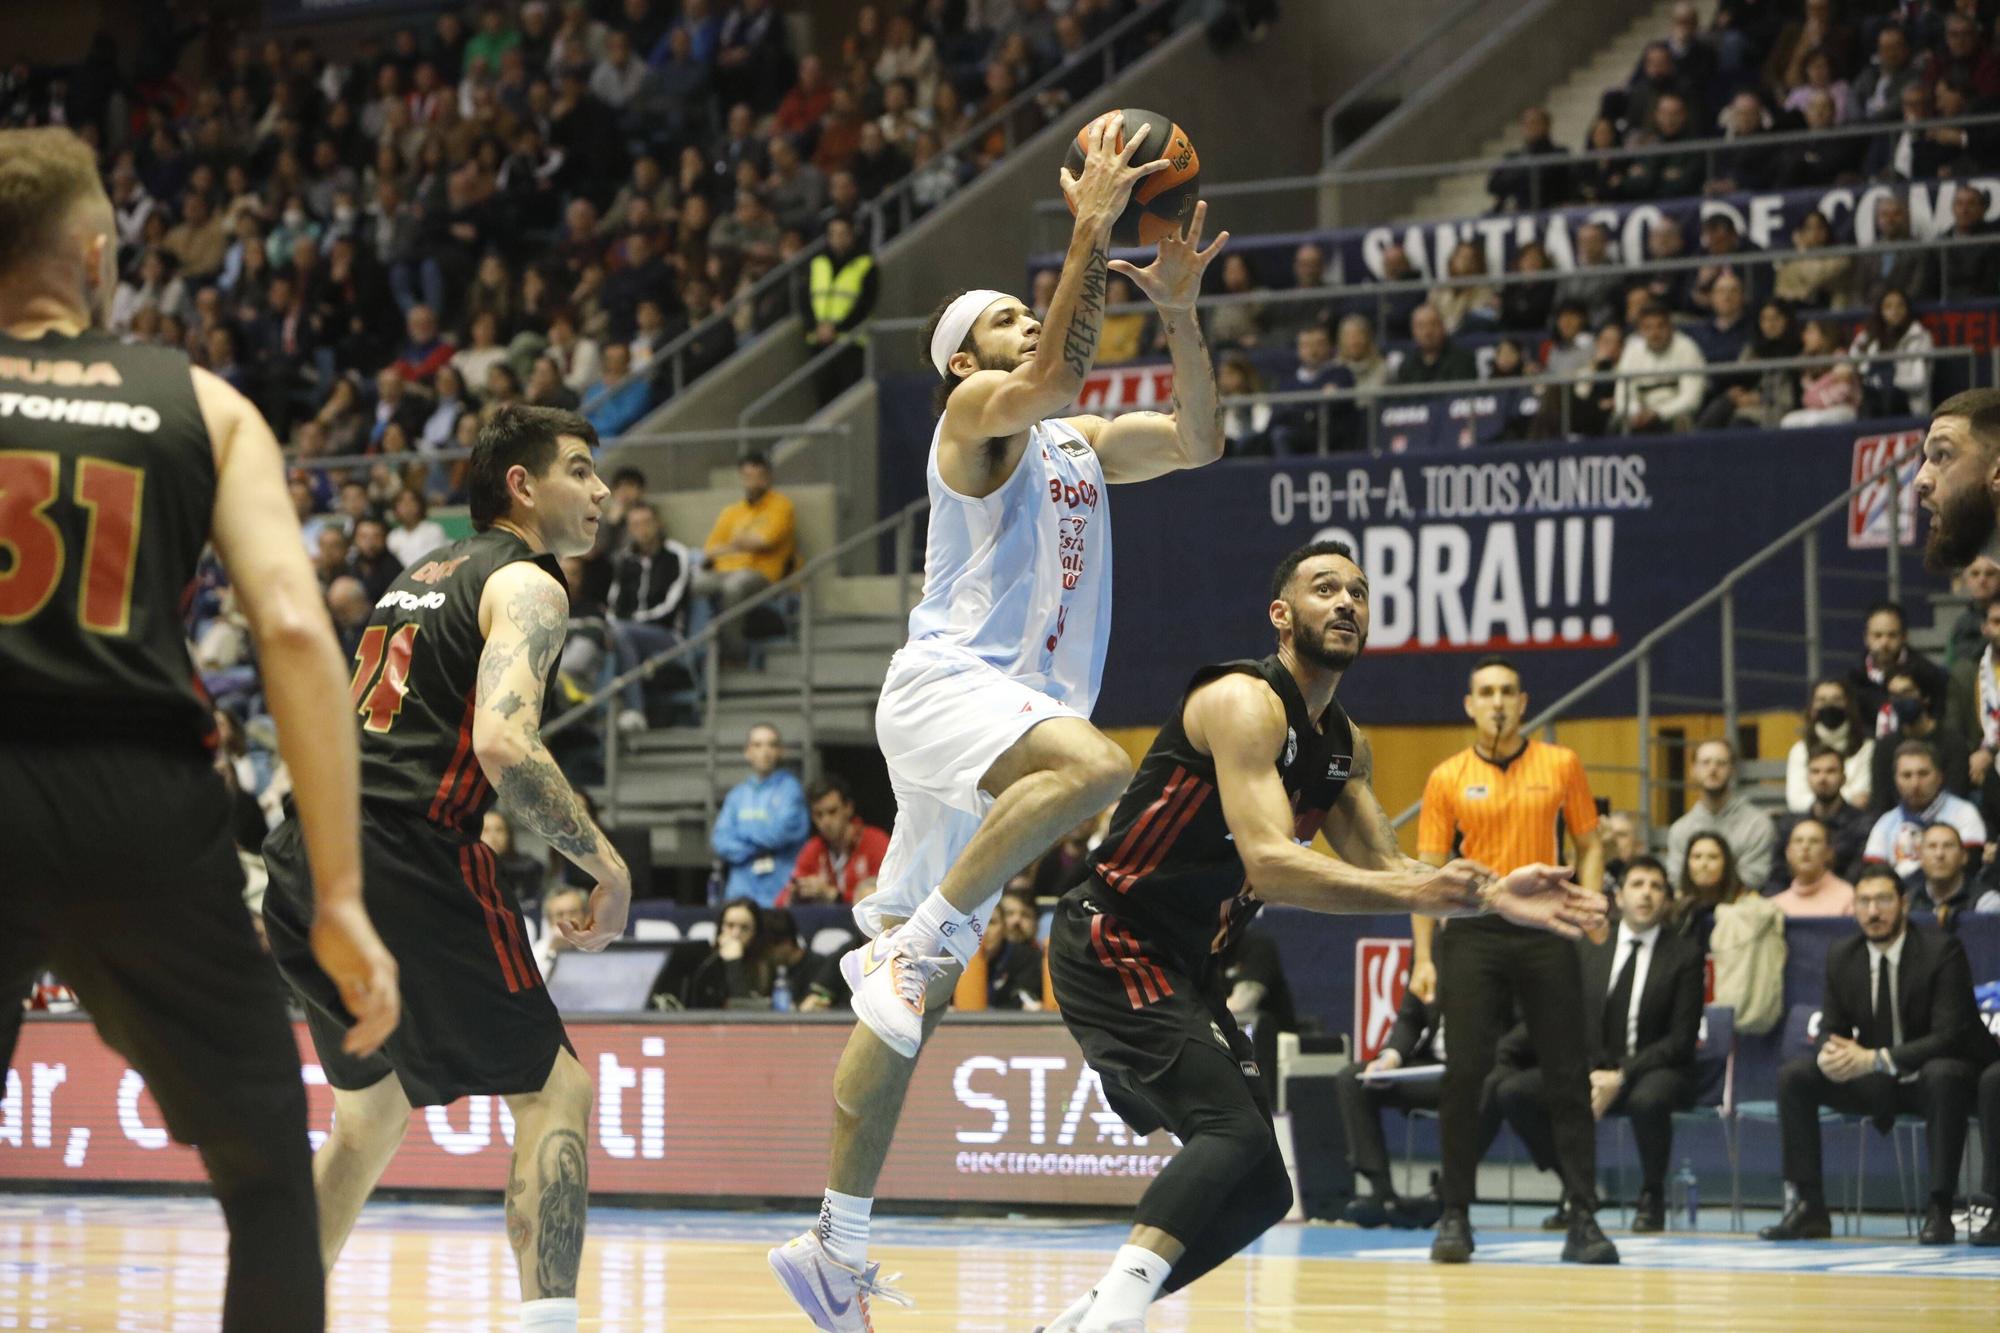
(1572, 106)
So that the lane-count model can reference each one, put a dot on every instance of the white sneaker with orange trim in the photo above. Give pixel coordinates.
(889, 978)
(835, 1297)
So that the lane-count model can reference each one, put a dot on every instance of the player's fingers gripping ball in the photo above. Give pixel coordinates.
(1162, 202)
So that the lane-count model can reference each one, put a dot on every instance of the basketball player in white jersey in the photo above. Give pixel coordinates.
(984, 715)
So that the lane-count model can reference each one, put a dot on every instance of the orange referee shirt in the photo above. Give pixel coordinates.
(1504, 816)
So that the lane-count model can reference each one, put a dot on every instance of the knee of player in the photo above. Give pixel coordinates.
(1274, 1194)
(1103, 772)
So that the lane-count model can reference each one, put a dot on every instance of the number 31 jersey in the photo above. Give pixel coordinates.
(107, 486)
(416, 677)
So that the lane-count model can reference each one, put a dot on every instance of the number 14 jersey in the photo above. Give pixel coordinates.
(416, 676)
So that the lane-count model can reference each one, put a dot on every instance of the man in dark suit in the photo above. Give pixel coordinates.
(1641, 1020)
(1901, 1034)
(1989, 1126)
(1416, 1041)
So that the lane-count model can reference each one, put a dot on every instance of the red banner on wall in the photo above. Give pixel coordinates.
(1126, 386)
(1381, 971)
(998, 1112)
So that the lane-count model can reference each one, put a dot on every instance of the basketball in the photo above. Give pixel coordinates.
(1160, 202)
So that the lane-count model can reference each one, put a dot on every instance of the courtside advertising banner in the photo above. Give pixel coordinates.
(1381, 973)
(1004, 1113)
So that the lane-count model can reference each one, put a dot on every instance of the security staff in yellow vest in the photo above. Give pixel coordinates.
(844, 288)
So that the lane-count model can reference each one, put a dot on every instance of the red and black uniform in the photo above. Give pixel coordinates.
(476, 1017)
(1130, 954)
(119, 871)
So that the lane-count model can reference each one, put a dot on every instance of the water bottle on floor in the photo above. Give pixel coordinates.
(1687, 1194)
(781, 991)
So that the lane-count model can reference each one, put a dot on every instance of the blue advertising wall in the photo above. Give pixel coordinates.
(1562, 554)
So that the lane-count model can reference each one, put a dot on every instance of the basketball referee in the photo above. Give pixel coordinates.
(1502, 802)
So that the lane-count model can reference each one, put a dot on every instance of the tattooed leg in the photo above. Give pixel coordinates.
(548, 1184)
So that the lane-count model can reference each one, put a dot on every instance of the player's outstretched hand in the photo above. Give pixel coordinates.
(1452, 890)
(1546, 898)
(1105, 186)
(350, 952)
(605, 921)
(1173, 280)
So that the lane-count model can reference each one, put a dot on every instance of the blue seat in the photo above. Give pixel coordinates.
(1715, 1101)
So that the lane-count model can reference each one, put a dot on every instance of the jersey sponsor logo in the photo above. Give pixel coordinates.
(67, 374)
(1215, 1030)
(1340, 766)
(81, 412)
(409, 601)
(437, 571)
(1074, 448)
(1076, 495)
(1291, 746)
(1476, 792)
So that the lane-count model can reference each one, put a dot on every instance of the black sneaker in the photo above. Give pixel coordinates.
(1649, 1214)
(1453, 1242)
(1558, 1220)
(1937, 1228)
(1805, 1221)
(1988, 1235)
(1414, 1214)
(1587, 1243)
(1364, 1210)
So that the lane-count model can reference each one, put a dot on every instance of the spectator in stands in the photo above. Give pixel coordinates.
(935, 174)
(1814, 889)
(1655, 80)
(795, 189)
(1595, 283)
(1667, 174)
(1912, 271)
(1899, 386)
(1396, 309)
(349, 603)
(1902, 1035)
(1829, 395)
(330, 547)
(648, 602)
(1726, 332)
(1670, 384)
(1246, 428)
(1584, 409)
(579, 359)
(909, 54)
(763, 822)
(1744, 164)
(371, 560)
(1013, 954)
(523, 874)
(1966, 640)
(1966, 57)
(1967, 149)
(844, 284)
(1720, 809)
(737, 969)
(752, 63)
(415, 534)
(1809, 280)
(1942, 889)
(1640, 1025)
(1600, 179)
(1709, 879)
(619, 398)
(1820, 161)
(198, 240)
(1897, 838)
(1723, 247)
(751, 546)
(1436, 359)
(1526, 188)
(840, 861)
(1525, 306)
(1878, 92)
(1665, 244)
(1833, 722)
(1355, 350)
(1970, 271)
(1240, 324)
(1912, 155)
(1916, 715)
(1306, 428)
(1470, 307)
(565, 907)
(1619, 833)
(1886, 648)
(154, 287)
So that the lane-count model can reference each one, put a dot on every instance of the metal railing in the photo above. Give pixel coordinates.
(900, 195)
(424, 457)
(1804, 535)
(707, 642)
(1534, 163)
(1378, 79)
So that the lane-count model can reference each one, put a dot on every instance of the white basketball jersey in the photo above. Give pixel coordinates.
(1022, 578)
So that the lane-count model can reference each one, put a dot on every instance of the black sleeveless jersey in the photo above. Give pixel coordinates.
(107, 487)
(416, 675)
(1168, 862)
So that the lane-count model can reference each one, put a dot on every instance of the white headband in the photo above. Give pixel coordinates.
(957, 322)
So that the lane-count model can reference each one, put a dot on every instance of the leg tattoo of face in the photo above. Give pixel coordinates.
(565, 1199)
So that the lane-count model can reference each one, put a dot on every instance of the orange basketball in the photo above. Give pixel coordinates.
(1160, 202)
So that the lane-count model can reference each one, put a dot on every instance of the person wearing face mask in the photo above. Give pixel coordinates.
(1914, 707)
(1831, 721)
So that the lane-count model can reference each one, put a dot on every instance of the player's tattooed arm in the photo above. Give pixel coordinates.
(1086, 319)
(1357, 827)
(1197, 403)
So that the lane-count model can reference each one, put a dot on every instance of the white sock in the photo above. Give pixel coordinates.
(1069, 1320)
(843, 1227)
(937, 927)
(1135, 1278)
(551, 1314)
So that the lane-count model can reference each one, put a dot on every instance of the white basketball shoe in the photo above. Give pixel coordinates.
(889, 979)
(835, 1297)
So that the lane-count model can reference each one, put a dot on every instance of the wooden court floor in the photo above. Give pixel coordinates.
(79, 1262)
